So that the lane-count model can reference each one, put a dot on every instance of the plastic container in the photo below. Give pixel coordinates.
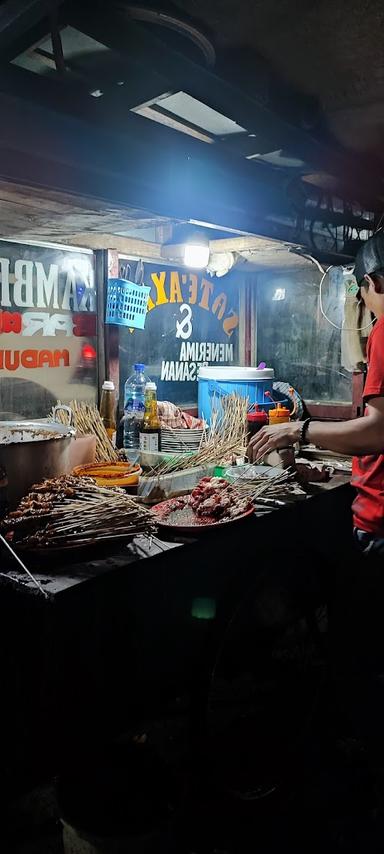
(214, 383)
(134, 404)
(279, 415)
(152, 490)
(126, 303)
(82, 451)
(110, 474)
(256, 419)
(108, 409)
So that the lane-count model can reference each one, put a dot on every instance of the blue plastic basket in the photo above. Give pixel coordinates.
(126, 303)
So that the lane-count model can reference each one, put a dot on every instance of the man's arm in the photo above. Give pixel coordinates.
(357, 437)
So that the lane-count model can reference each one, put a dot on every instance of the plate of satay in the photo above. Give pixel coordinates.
(212, 503)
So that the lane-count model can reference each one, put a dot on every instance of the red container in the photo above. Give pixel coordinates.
(256, 419)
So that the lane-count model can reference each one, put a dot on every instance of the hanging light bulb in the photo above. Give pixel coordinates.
(196, 251)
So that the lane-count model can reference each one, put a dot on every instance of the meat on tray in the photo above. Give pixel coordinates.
(213, 499)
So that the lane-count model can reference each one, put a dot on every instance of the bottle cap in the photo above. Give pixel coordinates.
(108, 385)
(258, 416)
(139, 366)
(150, 386)
(281, 410)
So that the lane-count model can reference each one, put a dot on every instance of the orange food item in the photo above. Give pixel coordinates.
(110, 474)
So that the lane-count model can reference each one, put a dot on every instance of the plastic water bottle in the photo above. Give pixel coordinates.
(134, 404)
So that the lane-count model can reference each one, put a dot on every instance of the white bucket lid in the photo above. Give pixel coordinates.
(229, 373)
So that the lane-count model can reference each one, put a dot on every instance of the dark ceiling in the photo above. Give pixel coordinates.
(328, 49)
(272, 108)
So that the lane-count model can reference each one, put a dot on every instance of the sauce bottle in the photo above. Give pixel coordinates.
(256, 419)
(279, 415)
(150, 429)
(108, 409)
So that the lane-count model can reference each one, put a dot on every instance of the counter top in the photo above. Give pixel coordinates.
(58, 576)
(120, 635)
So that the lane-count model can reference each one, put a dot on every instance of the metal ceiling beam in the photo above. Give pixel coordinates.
(68, 96)
(139, 165)
(70, 155)
(71, 97)
(23, 23)
(17, 16)
(142, 165)
(117, 32)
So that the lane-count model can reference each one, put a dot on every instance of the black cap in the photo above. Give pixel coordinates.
(370, 258)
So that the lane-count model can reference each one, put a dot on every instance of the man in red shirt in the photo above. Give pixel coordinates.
(362, 437)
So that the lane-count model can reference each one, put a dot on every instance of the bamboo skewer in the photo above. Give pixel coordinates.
(269, 488)
(23, 567)
(77, 511)
(225, 437)
(87, 420)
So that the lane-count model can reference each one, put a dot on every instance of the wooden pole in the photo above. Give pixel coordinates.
(111, 335)
(101, 275)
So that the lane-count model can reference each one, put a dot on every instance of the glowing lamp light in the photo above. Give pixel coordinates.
(89, 352)
(196, 252)
(203, 608)
(279, 294)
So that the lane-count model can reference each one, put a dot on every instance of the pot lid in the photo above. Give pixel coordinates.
(231, 373)
(16, 432)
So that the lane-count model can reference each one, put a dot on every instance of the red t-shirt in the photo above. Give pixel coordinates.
(368, 472)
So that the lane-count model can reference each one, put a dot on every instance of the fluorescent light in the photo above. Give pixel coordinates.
(199, 114)
(279, 294)
(196, 255)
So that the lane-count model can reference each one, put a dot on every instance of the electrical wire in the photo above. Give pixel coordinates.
(335, 325)
(324, 274)
(311, 258)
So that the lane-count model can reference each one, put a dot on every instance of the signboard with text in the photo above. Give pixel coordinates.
(192, 321)
(47, 328)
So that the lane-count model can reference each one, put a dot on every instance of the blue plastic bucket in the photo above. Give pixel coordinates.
(215, 383)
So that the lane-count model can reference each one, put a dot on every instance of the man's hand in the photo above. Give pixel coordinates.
(357, 437)
(272, 439)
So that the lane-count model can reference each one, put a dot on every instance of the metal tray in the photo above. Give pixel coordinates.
(42, 557)
(184, 526)
(319, 454)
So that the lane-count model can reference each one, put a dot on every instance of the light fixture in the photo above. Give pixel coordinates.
(196, 251)
(279, 294)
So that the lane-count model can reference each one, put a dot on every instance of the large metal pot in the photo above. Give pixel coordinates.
(31, 451)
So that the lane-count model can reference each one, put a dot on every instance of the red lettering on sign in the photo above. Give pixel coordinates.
(84, 325)
(61, 356)
(12, 360)
(29, 358)
(46, 359)
(10, 321)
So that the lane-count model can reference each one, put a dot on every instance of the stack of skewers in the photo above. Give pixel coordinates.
(270, 490)
(225, 439)
(72, 512)
(87, 421)
(222, 443)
